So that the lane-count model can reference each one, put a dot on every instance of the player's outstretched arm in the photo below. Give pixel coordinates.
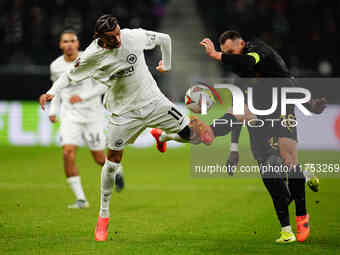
(317, 105)
(44, 98)
(97, 90)
(210, 49)
(244, 61)
(84, 68)
(57, 86)
(54, 108)
(164, 42)
(165, 45)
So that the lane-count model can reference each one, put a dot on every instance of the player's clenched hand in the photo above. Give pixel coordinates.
(45, 98)
(160, 67)
(210, 49)
(232, 161)
(75, 99)
(318, 105)
(53, 118)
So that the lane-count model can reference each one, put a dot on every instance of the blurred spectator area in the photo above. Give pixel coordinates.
(303, 31)
(30, 30)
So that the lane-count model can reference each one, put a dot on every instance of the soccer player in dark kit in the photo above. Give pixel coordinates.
(256, 59)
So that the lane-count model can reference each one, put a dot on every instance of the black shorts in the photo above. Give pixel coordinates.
(262, 142)
(286, 127)
(264, 139)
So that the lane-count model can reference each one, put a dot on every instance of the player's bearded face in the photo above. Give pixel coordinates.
(233, 46)
(112, 38)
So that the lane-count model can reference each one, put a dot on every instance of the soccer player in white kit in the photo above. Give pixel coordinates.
(81, 115)
(116, 59)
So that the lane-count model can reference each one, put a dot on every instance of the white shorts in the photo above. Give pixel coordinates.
(124, 129)
(76, 133)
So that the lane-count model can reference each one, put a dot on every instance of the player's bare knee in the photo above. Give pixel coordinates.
(285, 156)
(288, 151)
(69, 153)
(288, 159)
(115, 156)
(100, 159)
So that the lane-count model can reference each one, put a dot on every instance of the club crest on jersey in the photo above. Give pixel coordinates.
(131, 58)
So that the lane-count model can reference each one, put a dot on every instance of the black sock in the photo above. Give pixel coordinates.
(296, 182)
(280, 197)
(235, 133)
(279, 193)
(222, 126)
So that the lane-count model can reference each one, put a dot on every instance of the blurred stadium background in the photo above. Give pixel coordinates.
(201, 216)
(304, 32)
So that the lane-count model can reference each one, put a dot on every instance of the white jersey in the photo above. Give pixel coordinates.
(90, 109)
(123, 70)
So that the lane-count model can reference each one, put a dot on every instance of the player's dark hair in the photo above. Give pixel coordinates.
(68, 31)
(229, 34)
(104, 24)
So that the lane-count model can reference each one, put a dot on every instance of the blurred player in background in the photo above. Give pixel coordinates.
(81, 115)
(116, 59)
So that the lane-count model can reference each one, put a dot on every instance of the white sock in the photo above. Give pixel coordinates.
(107, 181)
(164, 137)
(287, 229)
(76, 187)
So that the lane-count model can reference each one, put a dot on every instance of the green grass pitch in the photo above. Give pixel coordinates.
(163, 210)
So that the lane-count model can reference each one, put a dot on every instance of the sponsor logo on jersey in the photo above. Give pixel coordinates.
(123, 73)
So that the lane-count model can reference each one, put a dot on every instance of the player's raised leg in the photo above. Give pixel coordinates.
(195, 132)
(162, 137)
